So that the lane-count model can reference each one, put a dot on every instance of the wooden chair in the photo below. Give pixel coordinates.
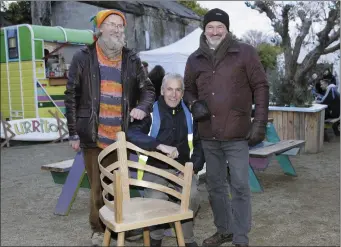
(125, 213)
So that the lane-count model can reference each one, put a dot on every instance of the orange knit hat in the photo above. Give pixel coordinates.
(103, 14)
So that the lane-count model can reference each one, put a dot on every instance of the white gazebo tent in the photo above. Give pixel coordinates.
(173, 57)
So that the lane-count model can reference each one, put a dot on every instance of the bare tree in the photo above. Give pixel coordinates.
(255, 37)
(306, 17)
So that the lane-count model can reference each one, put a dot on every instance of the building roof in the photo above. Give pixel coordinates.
(136, 7)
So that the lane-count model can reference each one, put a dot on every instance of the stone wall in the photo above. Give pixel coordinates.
(163, 28)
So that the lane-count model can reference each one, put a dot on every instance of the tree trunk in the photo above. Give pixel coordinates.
(41, 13)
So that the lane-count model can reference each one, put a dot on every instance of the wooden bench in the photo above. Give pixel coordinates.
(60, 170)
(270, 120)
(261, 154)
(266, 149)
(333, 123)
(332, 120)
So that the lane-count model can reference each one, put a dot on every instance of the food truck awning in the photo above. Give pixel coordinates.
(62, 35)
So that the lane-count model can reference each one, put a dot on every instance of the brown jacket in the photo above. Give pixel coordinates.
(226, 79)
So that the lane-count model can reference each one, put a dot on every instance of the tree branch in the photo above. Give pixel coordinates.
(285, 20)
(312, 57)
(334, 37)
(306, 24)
(286, 40)
(323, 34)
(331, 49)
(270, 14)
(264, 7)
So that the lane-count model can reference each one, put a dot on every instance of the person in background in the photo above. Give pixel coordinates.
(220, 79)
(145, 67)
(46, 59)
(327, 74)
(174, 140)
(97, 104)
(331, 98)
(156, 75)
(316, 90)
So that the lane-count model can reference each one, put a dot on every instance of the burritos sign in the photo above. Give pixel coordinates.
(34, 129)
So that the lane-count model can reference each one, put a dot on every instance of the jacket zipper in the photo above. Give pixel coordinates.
(124, 103)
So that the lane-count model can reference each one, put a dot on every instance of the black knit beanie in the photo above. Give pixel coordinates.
(217, 15)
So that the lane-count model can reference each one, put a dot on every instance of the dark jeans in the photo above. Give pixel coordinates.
(230, 215)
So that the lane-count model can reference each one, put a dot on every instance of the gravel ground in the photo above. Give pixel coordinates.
(304, 210)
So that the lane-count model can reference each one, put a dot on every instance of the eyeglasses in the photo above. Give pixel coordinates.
(113, 25)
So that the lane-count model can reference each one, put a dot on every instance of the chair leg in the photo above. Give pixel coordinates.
(146, 237)
(120, 239)
(179, 233)
(107, 237)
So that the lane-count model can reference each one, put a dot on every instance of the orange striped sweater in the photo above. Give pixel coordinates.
(110, 112)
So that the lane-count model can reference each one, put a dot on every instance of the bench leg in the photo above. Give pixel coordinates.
(283, 160)
(255, 186)
(71, 186)
(286, 165)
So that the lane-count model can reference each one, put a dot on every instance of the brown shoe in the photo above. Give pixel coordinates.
(217, 239)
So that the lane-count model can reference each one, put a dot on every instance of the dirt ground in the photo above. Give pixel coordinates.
(304, 210)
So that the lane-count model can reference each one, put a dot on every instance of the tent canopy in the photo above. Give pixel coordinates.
(173, 57)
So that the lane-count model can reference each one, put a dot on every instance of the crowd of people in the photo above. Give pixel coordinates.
(110, 89)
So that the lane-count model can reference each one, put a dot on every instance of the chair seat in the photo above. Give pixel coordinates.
(141, 212)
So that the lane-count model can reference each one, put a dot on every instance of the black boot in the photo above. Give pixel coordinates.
(193, 244)
(155, 243)
(217, 239)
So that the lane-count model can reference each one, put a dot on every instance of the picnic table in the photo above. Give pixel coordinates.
(261, 154)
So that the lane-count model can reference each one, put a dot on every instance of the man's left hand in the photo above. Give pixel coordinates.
(137, 114)
(257, 134)
(181, 175)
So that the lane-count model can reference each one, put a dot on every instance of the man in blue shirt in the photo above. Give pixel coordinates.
(171, 132)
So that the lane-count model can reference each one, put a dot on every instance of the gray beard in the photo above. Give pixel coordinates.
(212, 46)
(111, 48)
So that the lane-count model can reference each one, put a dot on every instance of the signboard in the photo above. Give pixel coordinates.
(34, 129)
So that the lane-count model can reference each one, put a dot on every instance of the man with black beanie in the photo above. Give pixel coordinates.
(220, 79)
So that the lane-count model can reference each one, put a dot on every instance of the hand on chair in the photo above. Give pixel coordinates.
(172, 152)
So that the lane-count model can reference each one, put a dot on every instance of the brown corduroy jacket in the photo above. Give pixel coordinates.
(226, 78)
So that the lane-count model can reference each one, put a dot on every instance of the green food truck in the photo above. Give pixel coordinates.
(34, 68)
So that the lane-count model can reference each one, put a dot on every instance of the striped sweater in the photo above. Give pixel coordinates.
(110, 112)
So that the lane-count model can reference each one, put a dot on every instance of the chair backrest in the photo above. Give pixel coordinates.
(118, 174)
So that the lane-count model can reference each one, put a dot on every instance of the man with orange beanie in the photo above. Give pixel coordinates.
(106, 90)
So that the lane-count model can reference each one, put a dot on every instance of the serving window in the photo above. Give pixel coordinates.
(12, 44)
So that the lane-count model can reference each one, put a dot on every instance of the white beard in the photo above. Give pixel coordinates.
(114, 43)
(213, 43)
(112, 46)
